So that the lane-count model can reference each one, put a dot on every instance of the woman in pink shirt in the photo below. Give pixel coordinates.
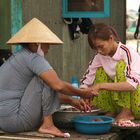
(114, 74)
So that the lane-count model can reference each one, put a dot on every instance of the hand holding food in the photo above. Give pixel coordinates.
(81, 105)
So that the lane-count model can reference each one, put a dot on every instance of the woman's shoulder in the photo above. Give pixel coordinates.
(26, 57)
(27, 54)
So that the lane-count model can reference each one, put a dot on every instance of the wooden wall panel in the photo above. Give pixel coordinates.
(49, 12)
(73, 56)
(118, 17)
(5, 23)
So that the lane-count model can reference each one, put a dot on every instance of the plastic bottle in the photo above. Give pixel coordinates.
(75, 84)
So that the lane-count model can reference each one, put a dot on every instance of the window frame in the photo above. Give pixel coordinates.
(85, 14)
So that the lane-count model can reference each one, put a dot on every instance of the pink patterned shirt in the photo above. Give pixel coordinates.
(132, 69)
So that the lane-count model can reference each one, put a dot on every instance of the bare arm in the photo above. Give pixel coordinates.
(65, 99)
(51, 78)
(120, 86)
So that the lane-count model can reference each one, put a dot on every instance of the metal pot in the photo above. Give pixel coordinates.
(63, 118)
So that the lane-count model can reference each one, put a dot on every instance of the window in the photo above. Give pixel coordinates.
(85, 8)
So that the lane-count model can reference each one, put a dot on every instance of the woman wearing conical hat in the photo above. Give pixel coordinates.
(29, 86)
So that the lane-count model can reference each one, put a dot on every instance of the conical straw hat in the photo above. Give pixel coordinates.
(34, 32)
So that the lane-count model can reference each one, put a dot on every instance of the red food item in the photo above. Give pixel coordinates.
(126, 123)
(97, 120)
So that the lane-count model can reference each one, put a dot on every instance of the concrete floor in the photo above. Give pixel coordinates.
(74, 136)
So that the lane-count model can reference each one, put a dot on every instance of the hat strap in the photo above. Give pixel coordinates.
(39, 50)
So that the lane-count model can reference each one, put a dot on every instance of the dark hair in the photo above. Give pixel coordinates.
(101, 31)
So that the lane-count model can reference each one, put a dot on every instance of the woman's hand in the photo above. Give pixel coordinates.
(88, 102)
(96, 89)
(89, 93)
(80, 104)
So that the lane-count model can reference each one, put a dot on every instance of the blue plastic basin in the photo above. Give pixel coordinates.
(88, 125)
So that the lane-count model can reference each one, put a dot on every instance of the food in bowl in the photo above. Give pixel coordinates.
(97, 120)
(93, 124)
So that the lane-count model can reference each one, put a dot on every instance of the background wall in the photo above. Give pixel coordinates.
(73, 56)
(5, 23)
